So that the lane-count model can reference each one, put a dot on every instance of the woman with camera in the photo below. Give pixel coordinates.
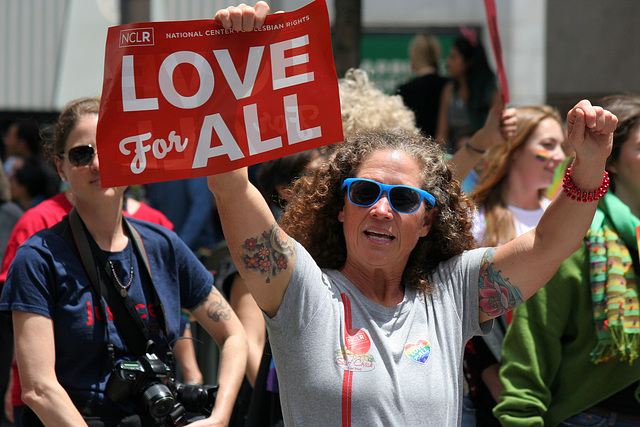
(60, 291)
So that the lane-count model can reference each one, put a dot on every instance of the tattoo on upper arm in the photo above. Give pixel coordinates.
(217, 307)
(269, 253)
(496, 294)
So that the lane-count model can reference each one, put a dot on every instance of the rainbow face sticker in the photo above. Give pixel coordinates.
(418, 351)
(543, 155)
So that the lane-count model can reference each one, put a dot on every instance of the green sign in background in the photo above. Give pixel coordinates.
(385, 54)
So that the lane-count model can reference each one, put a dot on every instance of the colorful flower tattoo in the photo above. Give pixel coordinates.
(497, 296)
(269, 253)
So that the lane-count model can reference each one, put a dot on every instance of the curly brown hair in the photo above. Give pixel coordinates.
(311, 216)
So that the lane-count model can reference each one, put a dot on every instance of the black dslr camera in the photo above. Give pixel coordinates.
(149, 382)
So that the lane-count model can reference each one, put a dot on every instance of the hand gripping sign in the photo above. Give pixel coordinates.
(190, 98)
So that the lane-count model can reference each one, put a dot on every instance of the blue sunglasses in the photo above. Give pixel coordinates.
(402, 198)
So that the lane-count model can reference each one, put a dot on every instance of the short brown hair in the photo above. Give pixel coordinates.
(68, 119)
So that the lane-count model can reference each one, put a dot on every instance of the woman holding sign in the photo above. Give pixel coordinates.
(370, 289)
(77, 368)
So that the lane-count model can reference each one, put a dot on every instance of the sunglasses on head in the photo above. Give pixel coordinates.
(402, 198)
(80, 156)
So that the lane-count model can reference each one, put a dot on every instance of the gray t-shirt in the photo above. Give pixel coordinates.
(342, 359)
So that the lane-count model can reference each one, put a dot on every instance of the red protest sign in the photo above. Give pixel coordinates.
(492, 22)
(190, 98)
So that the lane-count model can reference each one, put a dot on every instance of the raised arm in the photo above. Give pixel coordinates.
(262, 252)
(513, 272)
(500, 125)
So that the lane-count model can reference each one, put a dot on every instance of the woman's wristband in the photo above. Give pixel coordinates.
(472, 148)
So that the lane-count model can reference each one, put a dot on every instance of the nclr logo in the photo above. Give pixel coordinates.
(136, 37)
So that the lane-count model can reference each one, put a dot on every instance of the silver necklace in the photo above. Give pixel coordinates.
(115, 276)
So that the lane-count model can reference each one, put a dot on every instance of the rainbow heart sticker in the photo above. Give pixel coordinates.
(419, 351)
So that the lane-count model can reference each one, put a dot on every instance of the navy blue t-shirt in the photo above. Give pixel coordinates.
(47, 278)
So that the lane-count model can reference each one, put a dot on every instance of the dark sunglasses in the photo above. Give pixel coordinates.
(80, 156)
(402, 198)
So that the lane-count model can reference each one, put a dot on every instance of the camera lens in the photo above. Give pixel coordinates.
(159, 399)
(194, 397)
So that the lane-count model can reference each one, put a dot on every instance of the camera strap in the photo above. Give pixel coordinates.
(125, 315)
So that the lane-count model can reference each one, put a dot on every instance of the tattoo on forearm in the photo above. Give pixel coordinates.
(269, 253)
(218, 307)
(497, 295)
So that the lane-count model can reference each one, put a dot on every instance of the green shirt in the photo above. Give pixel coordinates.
(546, 369)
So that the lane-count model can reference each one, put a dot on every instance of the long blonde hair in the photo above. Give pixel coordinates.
(490, 189)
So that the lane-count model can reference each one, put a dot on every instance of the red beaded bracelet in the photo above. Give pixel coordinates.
(576, 194)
